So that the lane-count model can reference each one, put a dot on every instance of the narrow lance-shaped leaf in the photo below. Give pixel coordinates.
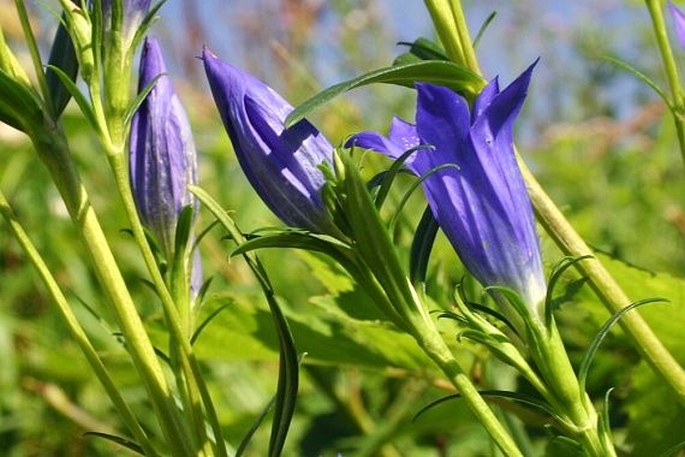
(441, 72)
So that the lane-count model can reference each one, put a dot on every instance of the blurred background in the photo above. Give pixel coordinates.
(601, 143)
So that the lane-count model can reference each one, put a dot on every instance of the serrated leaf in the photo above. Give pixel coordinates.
(439, 72)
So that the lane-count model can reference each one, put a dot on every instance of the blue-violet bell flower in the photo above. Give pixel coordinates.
(162, 152)
(679, 20)
(478, 196)
(283, 165)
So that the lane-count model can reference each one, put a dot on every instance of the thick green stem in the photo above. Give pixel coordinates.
(53, 150)
(75, 329)
(604, 285)
(671, 69)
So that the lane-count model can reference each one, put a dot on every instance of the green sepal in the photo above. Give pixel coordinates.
(554, 277)
(421, 246)
(372, 241)
(184, 228)
(62, 56)
(19, 106)
(139, 99)
(123, 442)
(439, 72)
(144, 27)
(386, 179)
(584, 367)
(491, 396)
(486, 23)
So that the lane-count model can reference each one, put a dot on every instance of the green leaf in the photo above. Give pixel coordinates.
(80, 99)
(421, 49)
(642, 77)
(433, 71)
(19, 106)
(288, 373)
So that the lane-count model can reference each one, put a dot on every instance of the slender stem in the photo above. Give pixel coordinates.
(53, 150)
(75, 329)
(434, 346)
(189, 363)
(671, 69)
(446, 28)
(470, 59)
(604, 285)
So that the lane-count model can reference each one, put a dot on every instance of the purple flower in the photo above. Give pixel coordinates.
(478, 198)
(133, 15)
(162, 161)
(282, 165)
(679, 19)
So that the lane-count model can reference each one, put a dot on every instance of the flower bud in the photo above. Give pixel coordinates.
(163, 158)
(283, 165)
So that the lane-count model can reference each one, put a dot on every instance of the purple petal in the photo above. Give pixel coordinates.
(679, 21)
(485, 97)
(403, 134)
(442, 120)
(375, 142)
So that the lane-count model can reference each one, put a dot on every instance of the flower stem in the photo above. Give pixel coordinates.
(671, 69)
(190, 366)
(53, 150)
(75, 329)
(434, 346)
